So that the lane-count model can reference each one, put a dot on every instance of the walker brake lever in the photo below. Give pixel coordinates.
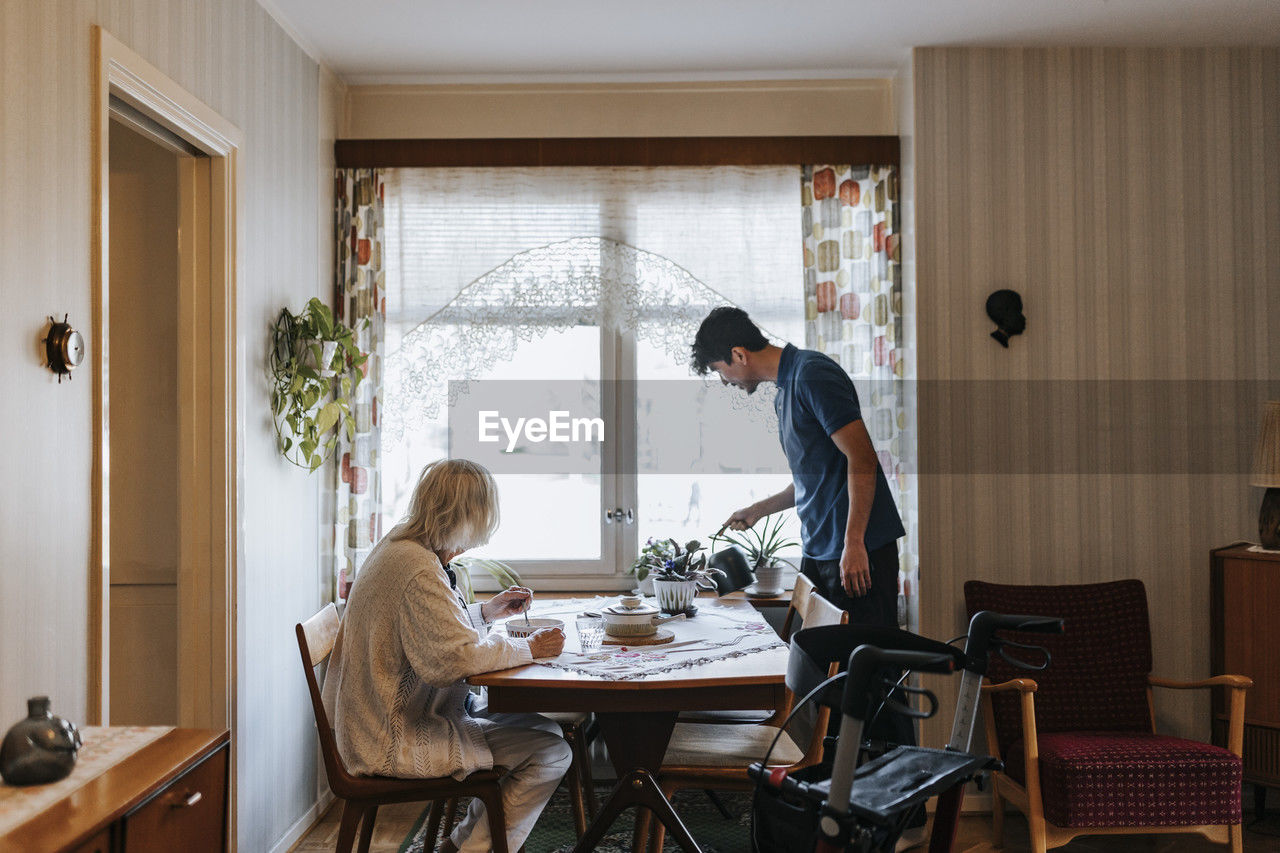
(1018, 662)
(904, 708)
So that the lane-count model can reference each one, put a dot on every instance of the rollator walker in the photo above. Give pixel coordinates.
(852, 806)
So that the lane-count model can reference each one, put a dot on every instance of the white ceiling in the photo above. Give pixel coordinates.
(487, 41)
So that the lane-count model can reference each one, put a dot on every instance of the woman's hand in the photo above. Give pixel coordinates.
(509, 602)
(546, 643)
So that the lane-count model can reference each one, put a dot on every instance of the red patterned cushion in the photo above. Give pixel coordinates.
(1126, 779)
(1106, 641)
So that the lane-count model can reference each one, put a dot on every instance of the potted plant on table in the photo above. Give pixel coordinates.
(762, 548)
(677, 572)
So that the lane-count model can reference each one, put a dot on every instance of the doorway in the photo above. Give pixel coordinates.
(162, 596)
(143, 417)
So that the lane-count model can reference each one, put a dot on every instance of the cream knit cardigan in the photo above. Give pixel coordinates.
(394, 689)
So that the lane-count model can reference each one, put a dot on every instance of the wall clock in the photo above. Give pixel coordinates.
(64, 348)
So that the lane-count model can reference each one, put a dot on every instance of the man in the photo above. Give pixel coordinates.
(849, 523)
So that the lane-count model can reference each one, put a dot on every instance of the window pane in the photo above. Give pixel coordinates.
(543, 372)
(703, 451)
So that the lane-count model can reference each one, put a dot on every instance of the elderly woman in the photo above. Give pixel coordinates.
(395, 687)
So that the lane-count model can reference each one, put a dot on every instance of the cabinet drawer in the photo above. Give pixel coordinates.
(188, 814)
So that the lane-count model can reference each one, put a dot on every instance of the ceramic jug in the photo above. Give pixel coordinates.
(40, 749)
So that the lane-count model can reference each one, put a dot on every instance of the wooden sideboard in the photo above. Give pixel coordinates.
(1244, 589)
(170, 795)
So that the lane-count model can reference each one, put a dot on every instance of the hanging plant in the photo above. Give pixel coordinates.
(312, 382)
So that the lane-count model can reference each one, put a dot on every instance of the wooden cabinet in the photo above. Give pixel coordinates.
(170, 795)
(1245, 625)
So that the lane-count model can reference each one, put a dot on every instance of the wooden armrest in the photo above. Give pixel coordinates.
(1237, 682)
(1022, 685)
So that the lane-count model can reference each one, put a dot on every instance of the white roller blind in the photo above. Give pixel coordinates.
(736, 229)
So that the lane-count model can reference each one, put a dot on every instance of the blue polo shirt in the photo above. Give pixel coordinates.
(815, 399)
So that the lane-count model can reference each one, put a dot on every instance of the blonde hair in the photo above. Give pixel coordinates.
(454, 507)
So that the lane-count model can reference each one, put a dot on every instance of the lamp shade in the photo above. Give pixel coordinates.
(1266, 460)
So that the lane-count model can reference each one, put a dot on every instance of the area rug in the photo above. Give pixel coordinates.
(554, 831)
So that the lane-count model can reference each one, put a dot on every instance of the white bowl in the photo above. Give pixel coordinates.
(516, 627)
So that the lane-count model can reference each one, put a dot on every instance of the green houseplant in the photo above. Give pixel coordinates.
(312, 383)
(762, 548)
(676, 572)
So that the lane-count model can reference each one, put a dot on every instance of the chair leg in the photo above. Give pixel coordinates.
(1237, 837)
(573, 782)
(718, 803)
(351, 814)
(1039, 834)
(433, 825)
(450, 816)
(582, 756)
(997, 813)
(492, 800)
(366, 828)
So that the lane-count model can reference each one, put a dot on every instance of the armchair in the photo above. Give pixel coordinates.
(1079, 744)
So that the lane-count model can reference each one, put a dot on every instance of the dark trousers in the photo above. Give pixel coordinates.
(878, 608)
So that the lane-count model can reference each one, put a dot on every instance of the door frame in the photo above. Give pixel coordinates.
(208, 390)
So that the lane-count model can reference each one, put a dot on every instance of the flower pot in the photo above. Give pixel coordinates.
(674, 596)
(769, 578)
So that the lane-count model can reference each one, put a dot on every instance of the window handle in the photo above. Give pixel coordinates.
(619, 515)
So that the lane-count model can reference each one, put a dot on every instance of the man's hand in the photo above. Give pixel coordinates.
(855, 571)
(509, 602)
(546, 643)
(744, 518)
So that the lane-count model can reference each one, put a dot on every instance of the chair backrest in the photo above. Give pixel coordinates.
(1097, 680)
(816, 612)
(316, 638)
(799, 600)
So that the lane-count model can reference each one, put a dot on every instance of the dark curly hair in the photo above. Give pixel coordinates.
(724, 328)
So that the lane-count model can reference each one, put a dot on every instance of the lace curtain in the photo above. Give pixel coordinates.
(854, 313)
(353, 509)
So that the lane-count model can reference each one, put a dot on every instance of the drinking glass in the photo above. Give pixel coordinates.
(590, 633)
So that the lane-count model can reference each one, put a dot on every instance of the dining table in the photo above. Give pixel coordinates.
(726, 657)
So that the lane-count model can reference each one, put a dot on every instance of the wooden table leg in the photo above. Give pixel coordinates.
(637, 742)
(637, 788)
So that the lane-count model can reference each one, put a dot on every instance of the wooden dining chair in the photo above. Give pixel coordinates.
(362, 795)
(710, 756)
(799, 607)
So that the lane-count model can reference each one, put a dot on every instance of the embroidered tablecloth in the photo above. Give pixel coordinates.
(716, 632)
(103, 747)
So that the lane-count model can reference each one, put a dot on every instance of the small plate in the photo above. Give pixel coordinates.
(753, 592)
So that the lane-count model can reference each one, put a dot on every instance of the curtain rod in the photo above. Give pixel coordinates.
(618, 151)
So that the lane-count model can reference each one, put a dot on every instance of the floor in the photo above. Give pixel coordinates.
(394, 823)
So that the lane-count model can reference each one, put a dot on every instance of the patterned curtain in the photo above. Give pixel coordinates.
(353, 508)
(854, 313)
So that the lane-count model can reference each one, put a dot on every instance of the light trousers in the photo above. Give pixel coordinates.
(536, 756)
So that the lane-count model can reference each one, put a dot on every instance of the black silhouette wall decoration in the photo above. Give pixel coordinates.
(1004, 307)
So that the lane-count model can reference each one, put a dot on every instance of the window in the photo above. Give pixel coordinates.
(495, 275)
